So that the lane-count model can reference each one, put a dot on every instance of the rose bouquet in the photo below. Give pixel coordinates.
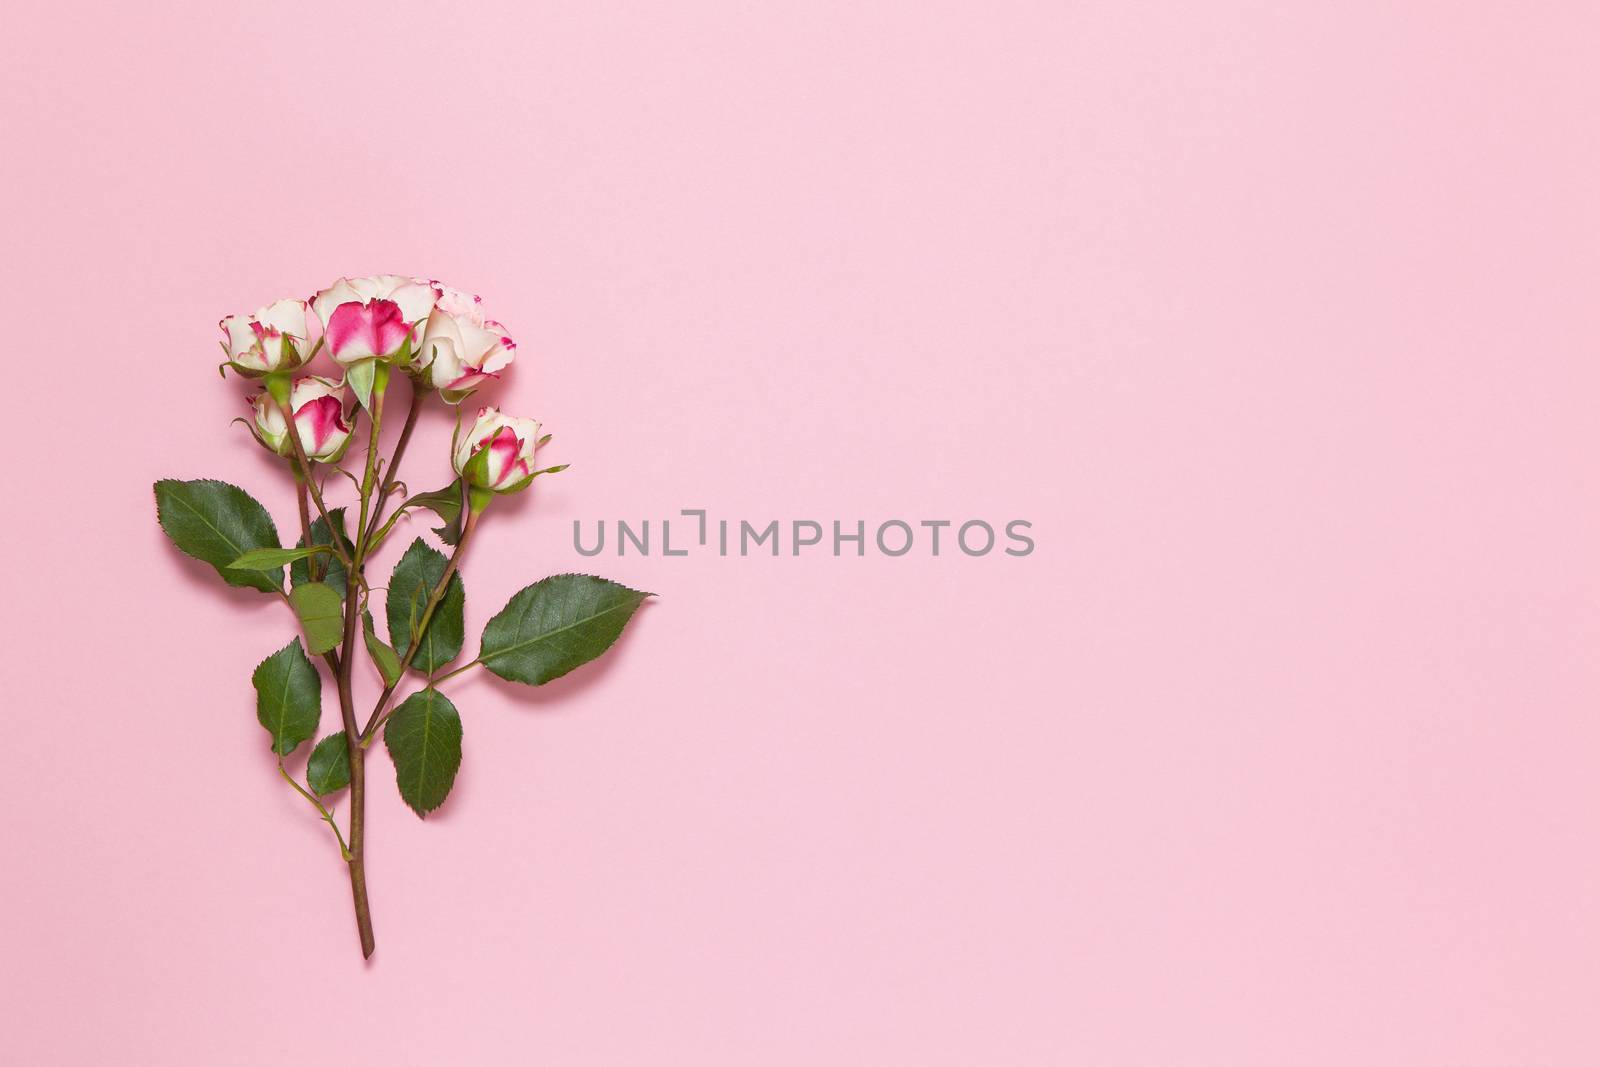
(375, 331)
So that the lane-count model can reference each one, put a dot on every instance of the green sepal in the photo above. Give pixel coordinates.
(360, 376)
(476, 471)
(288, 697)
(321, 609)
(523, 483)
(337, 454)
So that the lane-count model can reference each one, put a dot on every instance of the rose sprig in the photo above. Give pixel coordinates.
(374, 331)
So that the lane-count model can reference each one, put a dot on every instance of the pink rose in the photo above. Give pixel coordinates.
(370, 318)
(275, 338)
(460, 349)
(497, 453)
(318, 406)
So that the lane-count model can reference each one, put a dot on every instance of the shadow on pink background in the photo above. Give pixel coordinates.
(1277, 321)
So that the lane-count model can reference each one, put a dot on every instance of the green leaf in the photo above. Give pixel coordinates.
(288, 697)
(424, 740)
(410, 586)
(271, 559)
(556, 625)
(447, 504)
(217, 523)
(321, 613)
(382, 655)
(328, 769)
(331, 566)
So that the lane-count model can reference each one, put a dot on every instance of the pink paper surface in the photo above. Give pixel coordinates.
(1277, 321)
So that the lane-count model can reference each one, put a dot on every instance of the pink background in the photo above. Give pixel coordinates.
(1277, 320)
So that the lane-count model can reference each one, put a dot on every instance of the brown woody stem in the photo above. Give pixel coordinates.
(392, 475)
(347, 704)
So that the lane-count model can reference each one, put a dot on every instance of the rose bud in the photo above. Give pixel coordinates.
(318, 406)
(496, 455)
(367, 318)
(460, 348)
(275, 338)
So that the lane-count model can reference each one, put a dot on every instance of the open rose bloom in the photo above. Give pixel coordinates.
(318, 406)
(372, 317)
(277, 337)
(497, 452)
(460, 348)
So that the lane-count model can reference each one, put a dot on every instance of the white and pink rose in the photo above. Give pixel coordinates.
(460, 348)
(442, 336)
(319, 417)
(497, 452)
(277, 337)
(372, 317)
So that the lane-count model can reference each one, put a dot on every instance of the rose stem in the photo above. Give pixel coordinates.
(418, 395)
(347, 704)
